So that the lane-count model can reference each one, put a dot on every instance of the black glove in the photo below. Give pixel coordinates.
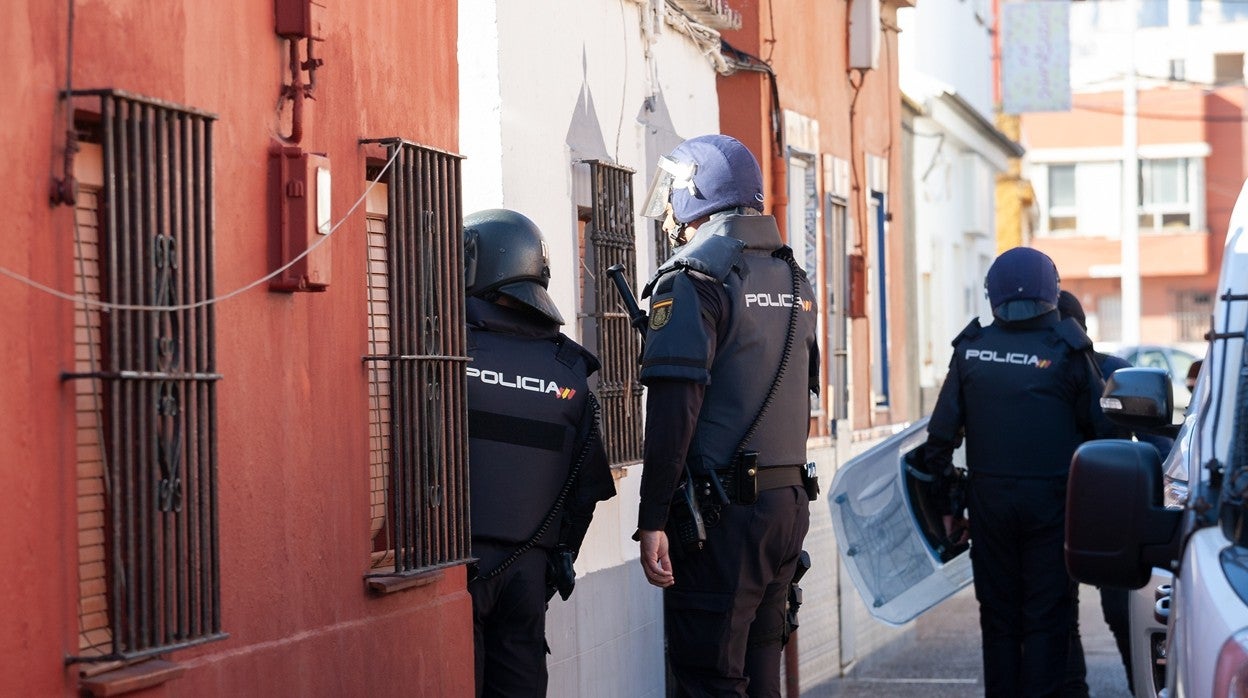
(560, 575)
(955, 483)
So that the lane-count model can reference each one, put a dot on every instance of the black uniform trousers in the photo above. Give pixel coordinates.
(1017, 536)
(509, 623)
(726, 612)
(1116, 610)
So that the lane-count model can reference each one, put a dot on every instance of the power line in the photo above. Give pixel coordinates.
(106, 306)
(1207, 118)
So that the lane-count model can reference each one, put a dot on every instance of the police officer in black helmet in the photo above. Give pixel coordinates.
(729, 362)
(1024, 393)
(537, 466)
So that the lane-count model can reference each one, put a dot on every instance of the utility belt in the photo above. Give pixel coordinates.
(700, 498)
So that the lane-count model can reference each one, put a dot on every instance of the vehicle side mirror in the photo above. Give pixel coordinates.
(1117, 529)
(1140, 399)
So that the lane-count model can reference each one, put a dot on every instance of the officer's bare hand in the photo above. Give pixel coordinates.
(957, 529)
(654, 560)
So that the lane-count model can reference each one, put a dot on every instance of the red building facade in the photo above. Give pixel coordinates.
(218, 479)
(831, 131)
(1191, 139)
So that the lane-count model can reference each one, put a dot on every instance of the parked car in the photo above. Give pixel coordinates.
(1120, 530)
(1173, 360)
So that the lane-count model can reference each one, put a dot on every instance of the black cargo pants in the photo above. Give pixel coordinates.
(1018, 530)
(726, 613)
(509, 623)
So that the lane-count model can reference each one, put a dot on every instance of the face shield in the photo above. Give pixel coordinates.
(669, 175)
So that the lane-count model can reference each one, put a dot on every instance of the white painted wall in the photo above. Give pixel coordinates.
(1099, 43)
(523, 67)
(947, 42)
(945, 48)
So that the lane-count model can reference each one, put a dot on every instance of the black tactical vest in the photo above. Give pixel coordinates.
(751, 339)
(527, 409)
(1020, 390)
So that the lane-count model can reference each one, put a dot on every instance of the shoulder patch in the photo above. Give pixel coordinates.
(971, 331)
(661, 312)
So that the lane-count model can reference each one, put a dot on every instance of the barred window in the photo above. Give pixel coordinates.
(1193, 311)
(144, 376)
(417, 350)
(606, 328)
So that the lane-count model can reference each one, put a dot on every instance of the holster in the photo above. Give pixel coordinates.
(685, 517)
(793, 602)
(810, 480)
(560, 573)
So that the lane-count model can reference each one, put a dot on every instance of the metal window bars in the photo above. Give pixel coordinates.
(157, 377)
(427, 489)
(612, 242)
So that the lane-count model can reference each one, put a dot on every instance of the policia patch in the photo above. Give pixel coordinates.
(660, 313)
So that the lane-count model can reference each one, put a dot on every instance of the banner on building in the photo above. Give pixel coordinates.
(1035, 56)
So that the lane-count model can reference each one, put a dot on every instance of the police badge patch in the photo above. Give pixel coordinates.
(660, 313)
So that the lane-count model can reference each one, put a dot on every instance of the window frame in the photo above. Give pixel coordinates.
(152, 376)
(426, 494)
(1065, 211)
(1152, 212)
(609, 238)
(877, 216)
(806, 220)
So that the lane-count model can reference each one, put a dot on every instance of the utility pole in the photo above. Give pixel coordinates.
(1130, 266)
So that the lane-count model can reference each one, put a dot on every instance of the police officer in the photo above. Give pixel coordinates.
(1024, 394)
(537, 466)
(729, 362)
(1114, 601)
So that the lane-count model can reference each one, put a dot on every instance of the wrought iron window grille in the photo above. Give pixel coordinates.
(612, 241)
(153, 376)
(418, 350)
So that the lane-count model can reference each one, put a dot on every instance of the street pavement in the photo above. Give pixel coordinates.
(940, 657)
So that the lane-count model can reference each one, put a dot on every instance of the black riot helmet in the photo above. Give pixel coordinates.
(1022, 284)
(505, 253)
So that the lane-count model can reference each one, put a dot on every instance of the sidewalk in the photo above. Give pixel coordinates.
(940, 657)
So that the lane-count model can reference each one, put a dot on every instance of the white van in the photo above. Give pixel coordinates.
(1119, 529)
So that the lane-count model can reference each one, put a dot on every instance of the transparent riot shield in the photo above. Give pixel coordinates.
(887, 515)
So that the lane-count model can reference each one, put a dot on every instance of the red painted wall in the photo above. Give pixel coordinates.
(293, 458)
(1169, 263)
(807, 47)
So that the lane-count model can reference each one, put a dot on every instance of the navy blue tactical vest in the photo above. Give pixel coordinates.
(527, 397)
(1017, 384)
(751, 338)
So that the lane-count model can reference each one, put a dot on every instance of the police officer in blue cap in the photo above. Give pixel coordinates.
(729, 361)
(537, 466)
(1024, 393)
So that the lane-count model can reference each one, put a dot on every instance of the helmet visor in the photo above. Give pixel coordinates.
(669, 175)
